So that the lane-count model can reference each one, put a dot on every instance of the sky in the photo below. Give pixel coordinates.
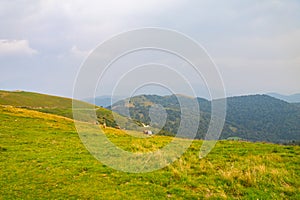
(255, 44)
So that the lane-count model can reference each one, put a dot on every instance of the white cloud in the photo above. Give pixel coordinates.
(16, 47)
(78, 52)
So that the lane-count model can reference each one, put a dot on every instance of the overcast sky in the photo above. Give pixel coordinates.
(255, 44)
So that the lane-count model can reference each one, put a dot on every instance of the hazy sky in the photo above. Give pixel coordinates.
(255, 44)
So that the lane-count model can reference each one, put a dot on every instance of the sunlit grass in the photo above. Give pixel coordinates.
(41, 156)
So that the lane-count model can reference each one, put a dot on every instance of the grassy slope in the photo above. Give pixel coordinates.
(58, 105)
(41, 102)
(36, 100)
(41, 156)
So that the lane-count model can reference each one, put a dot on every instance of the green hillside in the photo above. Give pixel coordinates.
(34, 100)
(41, 156)
(297, 104)
(40, 102)
(61, 106)
(264, 118)
(254, 117)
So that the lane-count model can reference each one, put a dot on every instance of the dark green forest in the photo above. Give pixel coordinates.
(253, 117)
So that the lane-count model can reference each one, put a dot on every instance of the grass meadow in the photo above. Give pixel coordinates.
(42, 157)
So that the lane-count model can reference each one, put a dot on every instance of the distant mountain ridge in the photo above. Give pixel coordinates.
(253, 117)
(103, 101)
(294, 98)
(106, 100)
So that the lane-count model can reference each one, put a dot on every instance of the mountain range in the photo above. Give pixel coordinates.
(103, 101)
(253, 117)
(294, 98)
